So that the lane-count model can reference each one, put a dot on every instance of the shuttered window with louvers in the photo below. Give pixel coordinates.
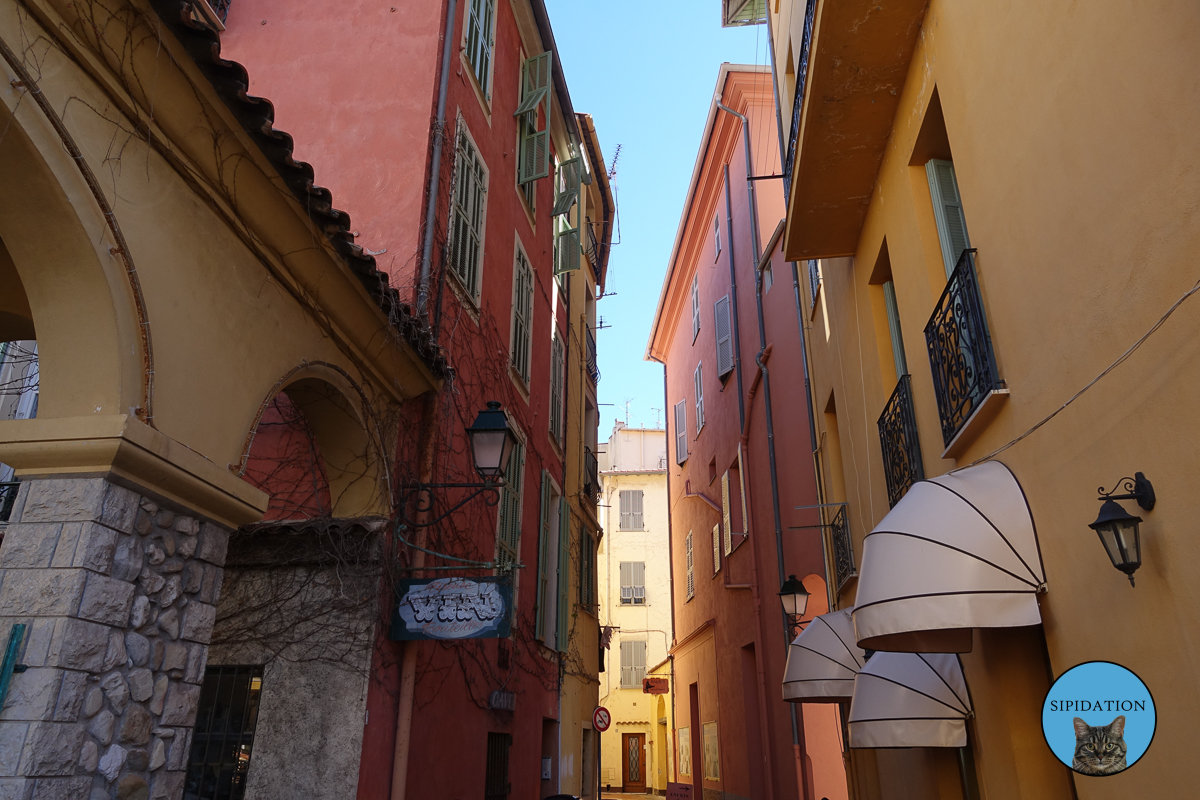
(534, 154)
(633, 664)
(724, 331)
(947, 211)
(631, 501)
(691, 572)
(716, 548)
(522, 315)
(681, 448)
(695, 308)
(633, 583)
(508, 529)
(726, 513)
(466, 226)
(699, 397)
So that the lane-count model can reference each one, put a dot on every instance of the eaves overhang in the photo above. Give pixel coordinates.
(858, 62)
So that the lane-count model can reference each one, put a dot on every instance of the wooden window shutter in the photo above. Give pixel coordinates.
(681, 451)
(564, 573)
(893, 317)
(695, 307)
(639, 663)
(745, 500)
(466, 226)
(543, 580)
(639, 582)
(726, 513)
(699, 397)
(947, 211)
(626, 582)
(481, 41)
(570, 175)
(635, 510)
(567, 249)
(716, 548)
(536, 75)
(691, 572)
(534, 156)
(557, 375)
(508, 529)
(724, 331)
(522, 315)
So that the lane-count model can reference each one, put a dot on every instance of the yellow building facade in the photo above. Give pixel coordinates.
(996, 210)
(635, 603)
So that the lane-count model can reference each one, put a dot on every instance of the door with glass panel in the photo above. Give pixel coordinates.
(633, 763)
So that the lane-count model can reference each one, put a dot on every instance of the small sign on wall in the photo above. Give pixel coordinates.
(547, 766)
(452, 608)
(679, 791)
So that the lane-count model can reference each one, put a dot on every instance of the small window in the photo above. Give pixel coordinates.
(508, 528)
(587, 571)
(522, 315)
(633, 664)
(633, 583)
(554, 547)
(724, 331)
(814, 280)
(480, 35)
(631, 509)
(224, 733)
(699, 398)
(717, 237)
(466, 226)
(495, 776)
(681, 447)
(557, 379)
(768, 278)
(947, 211)
(533, 154)
(691, 573)
(695, 308)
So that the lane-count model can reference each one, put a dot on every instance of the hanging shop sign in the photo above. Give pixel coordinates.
(452, 608)
(655, 686)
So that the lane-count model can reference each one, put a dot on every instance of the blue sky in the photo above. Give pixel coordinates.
(645, 71)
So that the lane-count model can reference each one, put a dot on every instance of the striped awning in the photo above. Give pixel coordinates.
(823, 661)
(910, 700)
(958, 552)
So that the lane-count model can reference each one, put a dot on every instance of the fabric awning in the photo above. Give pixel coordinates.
(910, 700)
(823, 661)
(957, 552)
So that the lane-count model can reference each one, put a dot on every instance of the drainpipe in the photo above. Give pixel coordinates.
(435, 170)
(737, 336)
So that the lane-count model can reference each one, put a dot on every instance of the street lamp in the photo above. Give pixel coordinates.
(492, 442)
(794, 597)
(1118, 529)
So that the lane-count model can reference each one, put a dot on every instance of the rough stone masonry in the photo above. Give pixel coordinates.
(120, 598)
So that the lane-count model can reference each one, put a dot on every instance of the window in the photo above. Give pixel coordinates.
(681, 451)
(633, 583)
(568, 178)
(508, 529)
(768, 278)
(553, 566)
(587, 571)
(533, 154)
(481, 24)
(522, 315)
(633, 664)
(224, 733)
(893, 317)
(716, 548)
(814, 280)
(558, 357)
(947, 211)
(724, 330)
(567, 248)
(466, 226)
(691, 573)
(495, 776)
(631, 509)
(699, 397)
(695, 308)
(717, 237)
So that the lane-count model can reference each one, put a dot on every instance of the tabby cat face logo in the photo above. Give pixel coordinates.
(1098, 718)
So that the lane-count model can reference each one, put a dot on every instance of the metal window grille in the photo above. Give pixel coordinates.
(591, 466)
(632, 517)
(593, 363)
(522, 315)
(224, 733)
(466, 232)
(691, 573)
(633, 583)
(814, 280)
(495, 781)
(481, 20)
(508, 529)
(8, 496)
(633, 664)
(798, 100)
(843, 548)
(221, 8)
(899, 442)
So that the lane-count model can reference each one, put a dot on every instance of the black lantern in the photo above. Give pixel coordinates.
(492, 442)
(794, 597)
(1118, 529)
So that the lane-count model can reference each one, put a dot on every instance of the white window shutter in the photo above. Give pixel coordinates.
(726, 513)
(947, 211)
(724, 331)
(681, 451)
(636, 519)
(626, 581)
(639, 582)
(699, 397)
(716, 548)
(695, 307)
(691, 573)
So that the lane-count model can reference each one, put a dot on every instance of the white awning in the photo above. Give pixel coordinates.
(957, 552)
(910, 700)
(823, 661)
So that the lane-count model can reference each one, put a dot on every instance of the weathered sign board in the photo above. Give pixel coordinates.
(655, 686)
(452, 608)
(679, 791)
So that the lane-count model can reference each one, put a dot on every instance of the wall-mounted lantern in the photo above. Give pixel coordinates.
(1118, 529)
(795, 599)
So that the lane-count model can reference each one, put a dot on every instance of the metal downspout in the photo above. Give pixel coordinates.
(737, 336)
(435, 171)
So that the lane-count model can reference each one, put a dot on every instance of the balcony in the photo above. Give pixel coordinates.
(899, 442)
(965, 378)
(8, 496)
(591, 475)
(593, 367)
(843, 548)
(592, 249)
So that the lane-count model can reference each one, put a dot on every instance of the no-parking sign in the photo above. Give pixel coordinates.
(601, 719)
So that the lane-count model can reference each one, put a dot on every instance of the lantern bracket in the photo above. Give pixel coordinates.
(1136, 488)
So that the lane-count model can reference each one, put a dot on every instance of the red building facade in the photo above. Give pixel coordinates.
(730, 343)
(440, 128)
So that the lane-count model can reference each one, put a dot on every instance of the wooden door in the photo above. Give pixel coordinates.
(633, 763)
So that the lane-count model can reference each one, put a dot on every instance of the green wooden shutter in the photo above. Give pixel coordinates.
(536, 75)
(893, 315)
(564, 572)
(543, 556)
(570, 176)
(947, 211)
(566, 251)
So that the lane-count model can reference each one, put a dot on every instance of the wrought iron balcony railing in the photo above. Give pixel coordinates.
(593, 366)
(591, 475)
(960, 349)
(798, 102)
(899, 442)
(8, 496)
(221, 7)
(843, 548)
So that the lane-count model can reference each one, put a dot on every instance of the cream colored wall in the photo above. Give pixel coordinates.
(1074, 167)
(629, 452)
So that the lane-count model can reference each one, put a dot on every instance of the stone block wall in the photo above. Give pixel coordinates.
(119, 596)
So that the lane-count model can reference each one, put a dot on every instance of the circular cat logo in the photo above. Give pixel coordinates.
(1098, 718)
